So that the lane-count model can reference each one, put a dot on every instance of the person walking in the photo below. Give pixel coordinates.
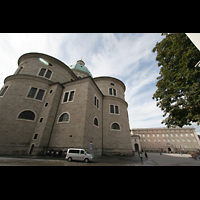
(146, 155)
(141, 157)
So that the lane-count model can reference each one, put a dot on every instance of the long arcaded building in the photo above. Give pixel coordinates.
(165, 139)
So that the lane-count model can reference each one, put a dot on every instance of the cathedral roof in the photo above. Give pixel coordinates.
(80, 65)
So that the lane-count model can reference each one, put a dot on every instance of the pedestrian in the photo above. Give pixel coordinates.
(146, 155)
(161, 151)
(141, 157)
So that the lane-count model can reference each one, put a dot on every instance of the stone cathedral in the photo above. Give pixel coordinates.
(47, 104)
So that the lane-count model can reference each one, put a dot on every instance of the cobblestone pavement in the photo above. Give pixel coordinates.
(154, 159)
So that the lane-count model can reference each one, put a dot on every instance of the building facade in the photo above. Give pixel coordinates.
(136, 145)
(165, 139)
(46, 104)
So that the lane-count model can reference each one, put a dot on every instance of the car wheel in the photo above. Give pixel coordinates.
(86, 160)
(69, 159)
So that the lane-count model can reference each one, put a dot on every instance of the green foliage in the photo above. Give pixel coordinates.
(178, 93)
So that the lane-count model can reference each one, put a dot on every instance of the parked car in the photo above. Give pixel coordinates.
(78, 154)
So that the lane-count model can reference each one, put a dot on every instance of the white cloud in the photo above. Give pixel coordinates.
(13, 45)
(120, 57)
(145, 113)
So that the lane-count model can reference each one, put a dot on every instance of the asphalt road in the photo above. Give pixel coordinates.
(154, 159)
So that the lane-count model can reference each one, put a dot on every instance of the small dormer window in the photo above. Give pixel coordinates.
(45, 72)
(112, 92)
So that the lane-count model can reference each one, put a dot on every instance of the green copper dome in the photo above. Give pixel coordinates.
(80, 66)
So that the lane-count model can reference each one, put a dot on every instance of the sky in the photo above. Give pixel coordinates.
(125, 56)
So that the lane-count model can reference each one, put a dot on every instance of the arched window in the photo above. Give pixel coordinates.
(64, 117)
(115, 126)
(96, 122)
(27, 114)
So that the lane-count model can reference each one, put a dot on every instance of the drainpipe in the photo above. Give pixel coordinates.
(102, 124)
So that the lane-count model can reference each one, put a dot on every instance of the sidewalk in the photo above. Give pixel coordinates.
(60, 161)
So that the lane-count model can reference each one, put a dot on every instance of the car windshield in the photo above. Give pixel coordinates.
(86, 152)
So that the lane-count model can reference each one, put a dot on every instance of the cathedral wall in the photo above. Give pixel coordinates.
(115, 141)
(48, 113)
(70, 134)
(105, 83)
(93, 132)
(32, 66)
(15, 131)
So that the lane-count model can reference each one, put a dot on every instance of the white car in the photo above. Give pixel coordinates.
(78, 154)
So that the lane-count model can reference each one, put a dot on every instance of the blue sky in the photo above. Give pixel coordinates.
(126, 56)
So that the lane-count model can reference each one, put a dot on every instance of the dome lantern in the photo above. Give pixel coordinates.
(80, 69)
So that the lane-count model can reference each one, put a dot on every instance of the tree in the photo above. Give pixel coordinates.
(178, 93)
